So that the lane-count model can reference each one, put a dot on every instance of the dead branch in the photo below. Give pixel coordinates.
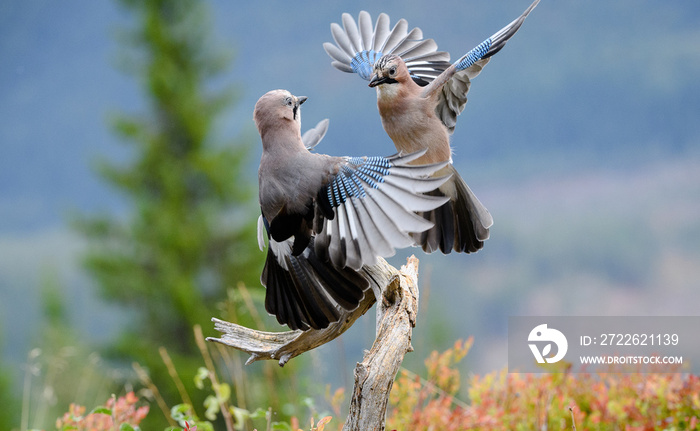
(374, 376)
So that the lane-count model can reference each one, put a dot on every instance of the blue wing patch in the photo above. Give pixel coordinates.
(474, 55)
(358, 173)
(363, 63)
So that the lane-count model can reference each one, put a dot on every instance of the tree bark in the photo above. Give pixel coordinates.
(374, 376)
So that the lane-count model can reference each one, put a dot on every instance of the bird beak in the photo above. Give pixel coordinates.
(376, 80)
(300, 100)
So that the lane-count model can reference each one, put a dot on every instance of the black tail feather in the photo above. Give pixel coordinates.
(462, 224)
(305, 293)
(279, 280)
(345, 286)
(311, 292)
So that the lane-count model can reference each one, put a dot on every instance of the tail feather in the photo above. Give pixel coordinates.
(309, 292)
(462, 224)
(276, 298)
(481, 217)
(345, 286)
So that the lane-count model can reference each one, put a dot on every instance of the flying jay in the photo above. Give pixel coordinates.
(419, 95)
(327, 217)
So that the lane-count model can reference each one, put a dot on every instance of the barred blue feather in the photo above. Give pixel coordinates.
(409, 63)
(357, 47)
(358, 199)
(363, 63)
(326, 218)
(474, 55)
(358, 173)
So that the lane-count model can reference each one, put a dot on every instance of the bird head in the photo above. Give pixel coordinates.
(390, 69)
(277, 108)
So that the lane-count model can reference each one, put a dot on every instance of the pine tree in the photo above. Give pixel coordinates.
(190, 231)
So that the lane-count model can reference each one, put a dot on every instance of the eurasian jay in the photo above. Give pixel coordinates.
(327, 217)
(419, 95)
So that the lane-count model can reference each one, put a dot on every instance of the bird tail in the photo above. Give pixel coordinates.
(305, 291)
(462, 224)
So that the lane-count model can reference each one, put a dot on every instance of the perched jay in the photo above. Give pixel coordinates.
(328, 217)
(419, 95)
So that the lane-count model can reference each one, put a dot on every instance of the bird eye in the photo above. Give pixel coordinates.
(288, 101)
(392, 71)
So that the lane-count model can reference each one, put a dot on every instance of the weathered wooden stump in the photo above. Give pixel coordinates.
(374, 376)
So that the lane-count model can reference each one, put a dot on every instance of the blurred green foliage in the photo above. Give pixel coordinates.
(191, 229)
(63, 370)
(190, 234)
(7, 397)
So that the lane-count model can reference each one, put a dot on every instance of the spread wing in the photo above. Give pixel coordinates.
(453, 84)
(368, 208)
(453, 95)
(358, 46)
